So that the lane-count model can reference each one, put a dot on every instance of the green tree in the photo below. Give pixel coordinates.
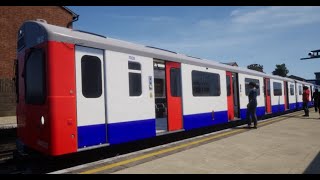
(256, 67)
(281, 70)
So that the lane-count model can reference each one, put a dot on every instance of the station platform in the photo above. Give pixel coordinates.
(8, 122)
(287, 144)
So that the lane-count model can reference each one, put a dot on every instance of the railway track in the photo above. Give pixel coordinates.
(6, 155)
(7, 143)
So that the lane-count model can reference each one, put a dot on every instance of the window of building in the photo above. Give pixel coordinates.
(135, 84)
(35, 78)
(277, 89)
(247, 89)
(205, 84)
(91, 76)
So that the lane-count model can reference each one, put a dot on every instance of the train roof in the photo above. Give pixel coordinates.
(62, 34)
(304, 82)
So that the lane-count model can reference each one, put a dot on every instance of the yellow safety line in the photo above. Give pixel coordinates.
(95, 170)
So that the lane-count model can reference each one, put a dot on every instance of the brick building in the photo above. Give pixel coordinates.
(11, 18)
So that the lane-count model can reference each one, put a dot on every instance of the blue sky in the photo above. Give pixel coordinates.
(247, 35)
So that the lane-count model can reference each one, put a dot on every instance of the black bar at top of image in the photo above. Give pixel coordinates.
(162, 2)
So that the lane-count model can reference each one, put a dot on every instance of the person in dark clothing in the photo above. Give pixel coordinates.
(315, 98)
(252, 105)
(319, 102)
(305, 98)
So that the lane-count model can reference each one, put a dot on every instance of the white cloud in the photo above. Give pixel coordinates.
(274, 17)
(235, 12)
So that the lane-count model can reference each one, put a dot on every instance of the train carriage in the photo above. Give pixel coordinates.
(77, 90)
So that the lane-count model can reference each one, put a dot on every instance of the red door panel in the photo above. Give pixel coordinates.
(173, 100)
(285, 94)
(267, 95)
(230, 96)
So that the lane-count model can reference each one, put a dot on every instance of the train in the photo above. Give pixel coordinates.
(78, 90)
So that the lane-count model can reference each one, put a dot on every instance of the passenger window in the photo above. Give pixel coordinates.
(91, 76)
(135, 84)
(247, 89)
(175, 82)
(291, 89)
(300, 90)
(228, 86)
(205, 84)
(277, 89)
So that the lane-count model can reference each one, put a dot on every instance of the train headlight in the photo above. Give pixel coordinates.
(42, 120)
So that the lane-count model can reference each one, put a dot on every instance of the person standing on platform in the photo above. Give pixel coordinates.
(305, 98)
(315, 98)
(252, 105)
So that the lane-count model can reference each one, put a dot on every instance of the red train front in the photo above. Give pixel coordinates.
(46, 109)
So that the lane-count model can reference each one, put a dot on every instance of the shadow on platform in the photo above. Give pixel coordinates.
(314, 166)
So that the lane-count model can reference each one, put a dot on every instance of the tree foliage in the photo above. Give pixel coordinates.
(256, 67)
(281, 70)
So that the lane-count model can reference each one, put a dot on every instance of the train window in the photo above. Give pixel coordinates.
(300, 90)
(91, 76)
(159, 87)
(228, 86)
(35, 78)
(277, 89)
(175, 82)
(291, 89)
(135, 85)
(134, 66)
(247, 89)
(268, 88)
(205, 84)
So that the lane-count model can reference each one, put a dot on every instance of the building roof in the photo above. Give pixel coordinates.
(70, 11)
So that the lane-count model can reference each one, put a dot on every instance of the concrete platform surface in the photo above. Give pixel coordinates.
(290, 146)
(8, 122)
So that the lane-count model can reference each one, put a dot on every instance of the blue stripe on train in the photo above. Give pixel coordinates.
(204, 119)
(278, 108)
(117, 132)
(292, 106)
(91, 135)
(260, 112)
(130, 131)
(299, 105)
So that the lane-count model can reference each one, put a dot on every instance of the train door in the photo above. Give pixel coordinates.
(91, 116)
(174, 95)
(235, 90)
(230, 96)
(159, 71)
(286, 95)
(267, 95)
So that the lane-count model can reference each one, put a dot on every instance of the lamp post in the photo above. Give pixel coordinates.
(313, 54)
